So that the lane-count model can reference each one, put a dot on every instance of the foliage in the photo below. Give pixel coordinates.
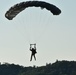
(57, 68)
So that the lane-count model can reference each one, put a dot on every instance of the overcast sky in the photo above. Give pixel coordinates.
(55, 36)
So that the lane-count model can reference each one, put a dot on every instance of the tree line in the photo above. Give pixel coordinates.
(57, 68)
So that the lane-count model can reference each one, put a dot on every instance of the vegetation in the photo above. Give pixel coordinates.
(57, 68)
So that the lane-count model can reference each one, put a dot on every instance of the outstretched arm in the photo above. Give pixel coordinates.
(35, 46)
(30, 47)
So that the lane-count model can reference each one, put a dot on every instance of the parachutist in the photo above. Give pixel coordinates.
(33, 50)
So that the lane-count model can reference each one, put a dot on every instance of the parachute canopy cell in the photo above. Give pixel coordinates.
(17, 8)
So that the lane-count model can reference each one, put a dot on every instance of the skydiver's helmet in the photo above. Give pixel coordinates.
(33, 49)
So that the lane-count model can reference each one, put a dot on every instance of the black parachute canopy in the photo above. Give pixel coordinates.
(13, 11)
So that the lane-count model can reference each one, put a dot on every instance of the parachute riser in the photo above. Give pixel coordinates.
(33, 45)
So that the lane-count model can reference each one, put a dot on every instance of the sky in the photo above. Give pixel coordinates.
(55, 36)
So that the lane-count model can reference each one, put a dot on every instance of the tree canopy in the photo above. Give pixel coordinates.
(57, 68)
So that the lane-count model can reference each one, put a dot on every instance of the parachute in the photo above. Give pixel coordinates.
(16, 9)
